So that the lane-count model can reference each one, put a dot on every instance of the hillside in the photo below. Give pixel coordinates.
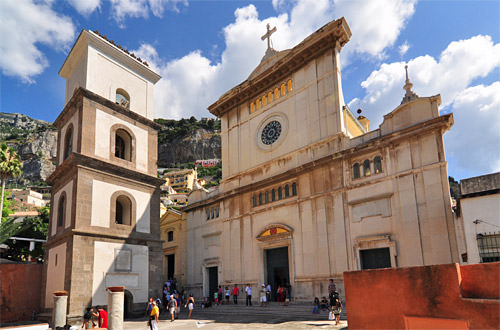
(179, 141)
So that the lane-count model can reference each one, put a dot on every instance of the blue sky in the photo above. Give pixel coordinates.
(203, 48)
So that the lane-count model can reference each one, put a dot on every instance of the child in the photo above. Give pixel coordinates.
(316, 305)
(228, 293)
(216, 300)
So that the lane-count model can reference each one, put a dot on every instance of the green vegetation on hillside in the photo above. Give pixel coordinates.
(173, 129)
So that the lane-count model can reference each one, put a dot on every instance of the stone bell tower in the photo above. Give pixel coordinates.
(105, 219)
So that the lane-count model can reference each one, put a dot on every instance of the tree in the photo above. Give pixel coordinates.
(10, 166)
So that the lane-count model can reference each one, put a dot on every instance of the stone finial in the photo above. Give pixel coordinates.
(410, 94)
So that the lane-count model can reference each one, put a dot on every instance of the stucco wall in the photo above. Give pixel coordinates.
(394, 298)
(20, 289)
(56, 268)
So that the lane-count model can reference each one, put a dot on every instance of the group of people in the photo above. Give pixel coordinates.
(95, 317)
(172, 305)
(333, 304)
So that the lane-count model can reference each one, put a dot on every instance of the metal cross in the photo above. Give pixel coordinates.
(268, 35)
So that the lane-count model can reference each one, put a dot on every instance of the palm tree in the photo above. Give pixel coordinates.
(10, 166)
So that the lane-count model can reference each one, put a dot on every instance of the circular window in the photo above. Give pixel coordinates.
(271, 132)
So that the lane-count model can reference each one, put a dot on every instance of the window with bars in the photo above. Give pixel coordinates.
(489, 246)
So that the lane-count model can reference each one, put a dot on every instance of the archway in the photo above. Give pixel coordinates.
(128, 304)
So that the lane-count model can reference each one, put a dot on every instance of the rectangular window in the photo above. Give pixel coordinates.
(170, 236)
(489, 246)
(375, 258)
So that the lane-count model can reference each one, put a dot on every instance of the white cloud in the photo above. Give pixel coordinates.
(26, 24)
(184, 91)
(458, 65)
(85, 7)
(473, 142)
(403, 48)
(140, 8)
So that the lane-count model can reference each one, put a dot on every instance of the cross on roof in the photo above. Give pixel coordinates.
(268, 35)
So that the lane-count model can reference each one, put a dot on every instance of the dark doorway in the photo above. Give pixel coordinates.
(375, 258)
(170, 266)
(277, 269)
(213, 282)
(128, 304)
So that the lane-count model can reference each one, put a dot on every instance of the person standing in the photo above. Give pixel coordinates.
(336, 306)
(268, 292)
(331, 287)
(228, 293)
(149, 310)
(178, 300)
(103, 318)
(220, 295)
(172, 306)
(155, 315)
(190, 304)
(236, 291)
(248, 292)
(262, 295)
(280, 293)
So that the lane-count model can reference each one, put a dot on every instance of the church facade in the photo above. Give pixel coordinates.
(308, 191)
(104, 228)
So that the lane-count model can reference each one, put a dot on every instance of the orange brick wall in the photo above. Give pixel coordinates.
(20, 293)
(385, 298)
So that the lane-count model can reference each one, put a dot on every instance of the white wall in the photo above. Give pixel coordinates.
(101, 204)
(68, 188)
(486, 208)
(104, 121)
(55, 273)
(136, 281)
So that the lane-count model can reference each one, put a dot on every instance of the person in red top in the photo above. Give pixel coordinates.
(235, 294)
(103, 318)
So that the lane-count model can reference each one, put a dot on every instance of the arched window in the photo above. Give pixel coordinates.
(294, 189)
(207, 212)
(289, 85)
(61, 211)
(377, 164)
(123, 210)
(355, 171)
(264, 100)
(260, 198)
(252, 107)
(270, 97)
(280, 193)
(122, 98)
(123, 145)
(276, 93)
(287, 191)
(273, 195)
(366, 168)
(258, 104)
(68, 142)
(267, 196)
(170, 236)
(283, 89)
(254, 200)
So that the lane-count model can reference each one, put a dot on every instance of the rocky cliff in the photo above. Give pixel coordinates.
(35, 141)
(179, 141)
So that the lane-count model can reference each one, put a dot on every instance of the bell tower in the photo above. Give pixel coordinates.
(105, 217)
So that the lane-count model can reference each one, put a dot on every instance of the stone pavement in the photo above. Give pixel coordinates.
(297, 316)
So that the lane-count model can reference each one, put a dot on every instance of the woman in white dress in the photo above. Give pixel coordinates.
(190, 304)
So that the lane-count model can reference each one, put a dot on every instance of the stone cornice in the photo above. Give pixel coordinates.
(333, 35)
(441, 122)
(82, 92)
(80, 160)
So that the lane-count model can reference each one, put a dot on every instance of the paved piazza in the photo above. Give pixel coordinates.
(241, 317)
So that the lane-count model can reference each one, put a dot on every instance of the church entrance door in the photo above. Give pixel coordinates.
(213, 282)
(277, 268)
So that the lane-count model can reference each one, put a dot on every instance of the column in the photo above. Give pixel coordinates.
(115, 307)
(60, 308)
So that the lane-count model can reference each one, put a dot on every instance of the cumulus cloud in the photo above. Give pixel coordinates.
(85, 7)
(25, 24)
(403, 48)
(457, 66)
(473, 142)
(120, 9)
(182, 94)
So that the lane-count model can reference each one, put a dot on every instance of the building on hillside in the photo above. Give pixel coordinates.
(207, 162)
(104, 228)
(478, 219)
(28, 197)
(173, 235)
(308, 191)
(181, 180)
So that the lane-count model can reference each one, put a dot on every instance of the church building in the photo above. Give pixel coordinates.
(105, 215)
(308, 190)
